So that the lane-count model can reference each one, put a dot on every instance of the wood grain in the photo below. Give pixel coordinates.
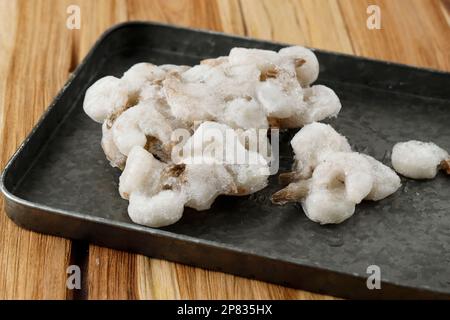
(37, 53)
(31, 265)
(412, 31)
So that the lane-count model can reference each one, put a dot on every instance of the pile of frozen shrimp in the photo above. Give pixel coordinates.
(185, 135)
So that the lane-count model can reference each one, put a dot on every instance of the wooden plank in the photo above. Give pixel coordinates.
(34, 66)
(193, 13)
(8, 16)
(412, 31)
(315, 23)
(157, 279)
(231, 17)
(112, 274)
(444, 7)
(96, 17)
(107, 273)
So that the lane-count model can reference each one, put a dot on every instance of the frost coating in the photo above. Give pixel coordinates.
(321, 103)
(305, 63)
(252, 88)
(141, 173)
(113, 154)
(280, 95)
(385, 182)
(205, 93)
(217, 144)
(134, 111)
(244, 113)
(326, 206)
(350, 169)
(419, 160)
(109, 96)
(162, 209)
(311, 142)
(339, 182)
(159, 191)
(298, 60)
(329, 179)
(104, 97)
(136, 124)
(248, 90)
(142, 74)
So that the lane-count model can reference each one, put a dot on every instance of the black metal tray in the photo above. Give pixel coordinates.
(60, 183)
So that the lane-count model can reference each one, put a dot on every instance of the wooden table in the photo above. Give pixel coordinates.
(37, 53)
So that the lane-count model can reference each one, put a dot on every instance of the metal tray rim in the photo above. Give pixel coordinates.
(192, 240)
(213, 32)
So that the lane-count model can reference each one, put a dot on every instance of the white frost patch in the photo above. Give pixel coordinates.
(419, 160)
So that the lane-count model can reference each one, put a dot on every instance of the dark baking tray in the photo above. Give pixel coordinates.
(60, 183)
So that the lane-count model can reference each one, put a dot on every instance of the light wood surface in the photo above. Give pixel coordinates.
(37, 53)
